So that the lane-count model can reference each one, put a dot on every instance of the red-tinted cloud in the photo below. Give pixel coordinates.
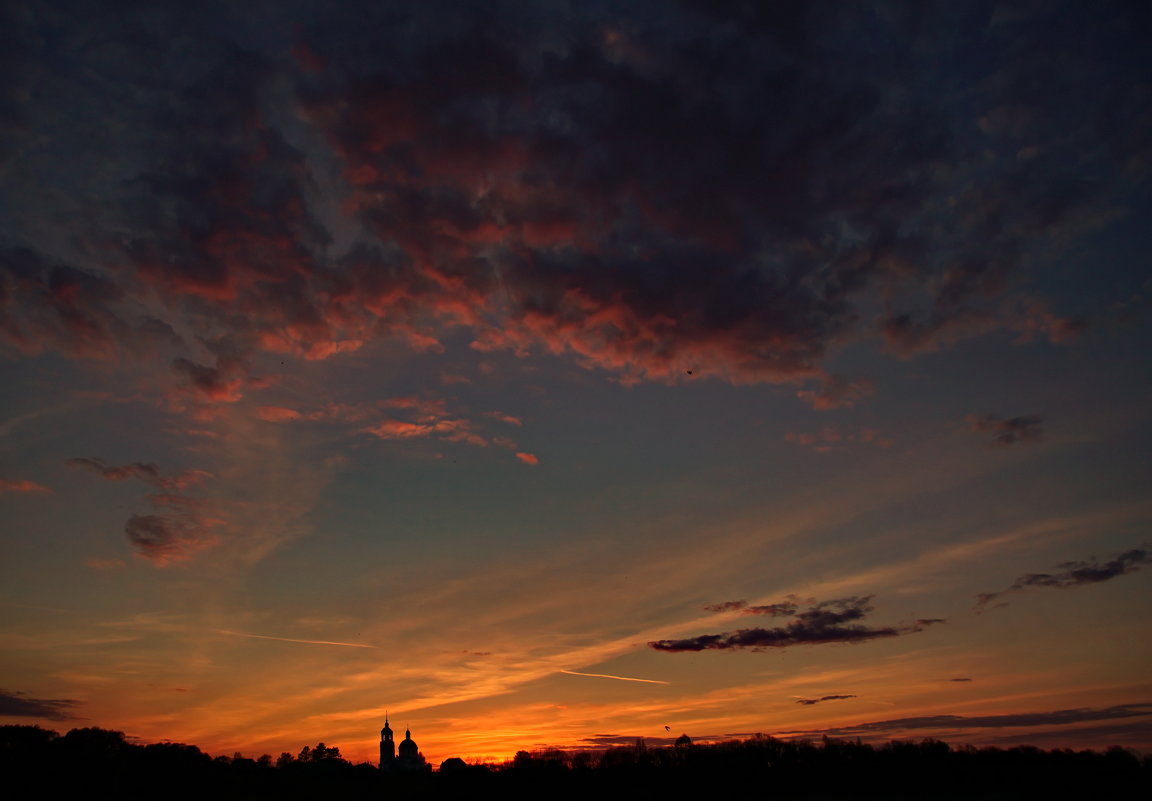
(596, 198)
(167, 539)
(836, 391)
(277, 414)
(144, 471)
(22, 486)
(527, 458)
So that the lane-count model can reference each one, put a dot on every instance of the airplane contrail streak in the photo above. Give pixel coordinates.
(289, 639)
(607, 676)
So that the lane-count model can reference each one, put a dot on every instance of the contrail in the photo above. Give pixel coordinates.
(618, 678)
(309, 642)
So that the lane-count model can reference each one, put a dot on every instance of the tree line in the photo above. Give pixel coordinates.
(103, 763)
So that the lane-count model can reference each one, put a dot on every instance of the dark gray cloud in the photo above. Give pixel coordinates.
(823, 623)
(144, 471)
(161, 538)
(1007, 430)
(725, 606)
(164, 539)
(821, 699)
(784, 608)
(1060, 717)
(17, 704)
(650, 190)
(1074, 574)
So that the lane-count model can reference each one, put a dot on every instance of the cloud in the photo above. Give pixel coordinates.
(836, 391)
(961, 679)
(545, 190)
(144, 471)
(608, 676)
(527, 458)
(1074, 574)
(821, 699)
(1007, 431)
(17, 704)
(1033, 318)
(832, 437)
(22, 486)
(277, 414)
(166, 539)
(220, 384)
(292, 639)
(823, 623)
(1060, 717)
(782, 609)
(725, 606)
(505, 418)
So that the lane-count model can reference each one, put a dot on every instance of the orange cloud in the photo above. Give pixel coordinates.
(277, 414)
(22, 486)
(505, 418)
(527, 458)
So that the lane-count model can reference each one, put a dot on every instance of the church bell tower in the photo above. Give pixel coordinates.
(387, 747)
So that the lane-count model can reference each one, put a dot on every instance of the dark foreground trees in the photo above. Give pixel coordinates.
(97, 763)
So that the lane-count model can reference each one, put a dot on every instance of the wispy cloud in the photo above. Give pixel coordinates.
(836, 392)
(1007, 431)
(17, 704)
(22, 486)
(609, 676)
(293, 639)
(1059, 717)
(1074, 574)
(831, 438)
(826, 622)
(821, 699)
(144, 471)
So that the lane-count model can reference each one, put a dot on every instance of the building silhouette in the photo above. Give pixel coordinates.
(405, 759)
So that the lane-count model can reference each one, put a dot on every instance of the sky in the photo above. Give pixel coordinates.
(554, 374)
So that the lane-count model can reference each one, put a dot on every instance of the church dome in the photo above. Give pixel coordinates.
(408, 745)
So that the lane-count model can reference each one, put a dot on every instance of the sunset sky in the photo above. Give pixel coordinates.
(561, 373)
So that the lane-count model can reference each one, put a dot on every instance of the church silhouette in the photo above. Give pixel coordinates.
(406, 759)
